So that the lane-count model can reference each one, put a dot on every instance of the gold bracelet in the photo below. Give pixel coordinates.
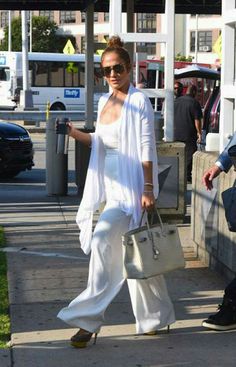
(148, 184)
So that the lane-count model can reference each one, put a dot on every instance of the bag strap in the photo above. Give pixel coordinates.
(149, 232)
(147, 222)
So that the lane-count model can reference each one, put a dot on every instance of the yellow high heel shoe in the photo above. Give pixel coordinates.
(154, 332)
(81, 338)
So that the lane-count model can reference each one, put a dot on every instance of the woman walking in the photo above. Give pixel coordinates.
(122, 173)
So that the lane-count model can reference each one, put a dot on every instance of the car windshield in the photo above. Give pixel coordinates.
(4, 74)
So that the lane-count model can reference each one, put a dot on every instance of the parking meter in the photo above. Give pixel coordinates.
(62, 136)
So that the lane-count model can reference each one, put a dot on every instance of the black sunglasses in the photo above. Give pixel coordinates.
(118, 69)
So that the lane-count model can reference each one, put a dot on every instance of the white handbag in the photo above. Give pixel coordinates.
(151, 250)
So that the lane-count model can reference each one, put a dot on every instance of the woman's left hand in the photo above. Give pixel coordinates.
(148, 200)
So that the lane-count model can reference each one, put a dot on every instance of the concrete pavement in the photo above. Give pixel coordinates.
(46, 269)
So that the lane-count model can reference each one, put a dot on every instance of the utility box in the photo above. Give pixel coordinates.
(56, 164)
(172, 180)
(172, 177)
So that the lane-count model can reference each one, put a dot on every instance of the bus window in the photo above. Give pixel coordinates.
(56, 74)
(71, 74)
(4, 74)
(40, 78)
(81, 74)
(100, 86)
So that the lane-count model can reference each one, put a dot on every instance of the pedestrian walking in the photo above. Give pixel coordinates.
(122, 172)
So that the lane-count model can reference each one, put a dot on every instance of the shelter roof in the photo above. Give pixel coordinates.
(140, 6)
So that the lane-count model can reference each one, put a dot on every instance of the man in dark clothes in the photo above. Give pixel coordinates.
(187, 124)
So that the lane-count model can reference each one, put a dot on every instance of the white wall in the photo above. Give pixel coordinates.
(205, 24)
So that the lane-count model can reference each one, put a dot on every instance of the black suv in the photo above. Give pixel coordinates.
(16, 150)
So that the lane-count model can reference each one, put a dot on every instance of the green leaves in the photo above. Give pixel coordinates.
(44, 36)
(4, 303)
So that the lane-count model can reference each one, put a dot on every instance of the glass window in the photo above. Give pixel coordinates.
(71, 74)
(67, 16)
(204, 41)
(149, 48)
(82, 47)
(99, 85)
(47, 13)
(81, 74)
(83, 16)
(56, 74)
(4, 74)
(146, 22)
(95, 16)
(4, 18)
(106, 17)
(40, 73)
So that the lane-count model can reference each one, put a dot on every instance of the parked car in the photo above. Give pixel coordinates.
(16, 150)
(211, 113)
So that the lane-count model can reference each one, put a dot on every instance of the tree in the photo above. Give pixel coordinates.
(44, 36)
(180, 57)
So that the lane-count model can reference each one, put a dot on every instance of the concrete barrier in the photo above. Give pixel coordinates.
(215, 243)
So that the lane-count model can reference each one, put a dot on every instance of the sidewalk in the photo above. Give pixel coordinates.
(46, 269)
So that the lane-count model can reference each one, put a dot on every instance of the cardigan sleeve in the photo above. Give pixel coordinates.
(147, 130)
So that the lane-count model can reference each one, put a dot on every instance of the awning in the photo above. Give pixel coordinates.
(140, 6)
(195, 71)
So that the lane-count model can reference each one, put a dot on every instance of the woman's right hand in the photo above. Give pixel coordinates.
(83, 137)
(71, 130)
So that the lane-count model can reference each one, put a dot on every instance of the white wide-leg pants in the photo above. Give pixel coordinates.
(151, 304)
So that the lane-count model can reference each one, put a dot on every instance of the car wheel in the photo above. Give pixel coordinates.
(57, 107)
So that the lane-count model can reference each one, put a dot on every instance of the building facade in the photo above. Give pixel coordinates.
(187, 27)
(207, 29)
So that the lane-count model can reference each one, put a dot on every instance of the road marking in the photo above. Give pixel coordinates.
(24, 251)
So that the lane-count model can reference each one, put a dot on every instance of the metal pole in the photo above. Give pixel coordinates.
(30, 27)
(9, 31)
(169, 70)
(89, 67)
(25, 65)
(196, 39)
(26, 99)
(130, 28)
(136, 69)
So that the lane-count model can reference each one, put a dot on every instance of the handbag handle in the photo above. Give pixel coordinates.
(149, 232)
(147, 222)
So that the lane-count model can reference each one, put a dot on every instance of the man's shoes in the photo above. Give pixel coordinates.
(224, 319)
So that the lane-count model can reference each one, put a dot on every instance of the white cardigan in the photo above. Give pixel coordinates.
(136, 145)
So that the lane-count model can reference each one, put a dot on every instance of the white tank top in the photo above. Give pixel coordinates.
(109, 133)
